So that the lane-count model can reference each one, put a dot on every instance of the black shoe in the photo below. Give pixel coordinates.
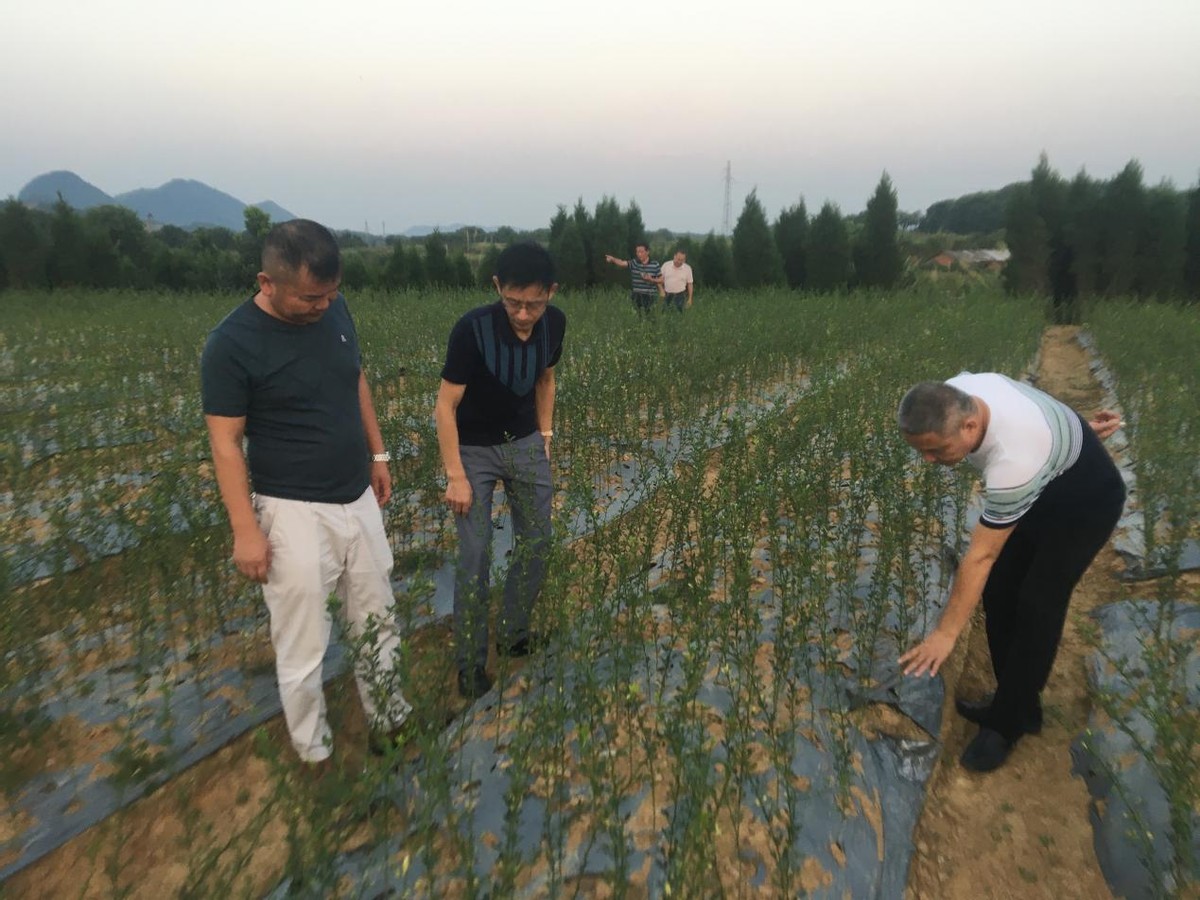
(473, 683)
(987, 751)
(978, 712)
(522, 647)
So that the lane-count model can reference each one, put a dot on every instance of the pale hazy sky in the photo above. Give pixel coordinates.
(442, 111)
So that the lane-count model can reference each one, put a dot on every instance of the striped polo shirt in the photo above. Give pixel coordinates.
(1031, 439)
(637, 269)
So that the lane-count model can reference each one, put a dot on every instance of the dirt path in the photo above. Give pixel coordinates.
(1023, 830)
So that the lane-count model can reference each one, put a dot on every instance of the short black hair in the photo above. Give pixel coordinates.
(933, 407)
(642, 244)
(300, 244)
(525, 264)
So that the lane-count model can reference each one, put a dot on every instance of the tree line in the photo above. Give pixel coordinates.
(827, 253)
(111, 247)
(1069, 240)
(1086, 238)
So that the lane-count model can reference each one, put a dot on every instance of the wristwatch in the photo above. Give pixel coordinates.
(385, 456)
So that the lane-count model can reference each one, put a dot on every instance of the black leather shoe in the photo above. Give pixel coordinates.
(473, 683)
(987, 751)
(978, 711)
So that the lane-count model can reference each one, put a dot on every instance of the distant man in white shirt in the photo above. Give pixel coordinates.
(676, 280)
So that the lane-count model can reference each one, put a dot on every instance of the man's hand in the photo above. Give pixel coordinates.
(928, 655)
(458, 495)
(381, 482)
(252, 554)
(1105, 423)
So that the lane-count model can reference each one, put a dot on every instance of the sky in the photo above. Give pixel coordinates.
(393, 114)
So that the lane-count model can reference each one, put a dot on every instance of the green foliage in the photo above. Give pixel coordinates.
(829, 263)
(487, 267)
(713, 266)
(976, 213)
(439, 271)
(66, 265)
(1121, 222)
(585, 225)
(24, 245)
(1026, 272)
(1161, 246)
(756, 259)
(877, 262)
(570, 255)
(791, 237)
(1191, 268)
(610, 235)
(635, 228)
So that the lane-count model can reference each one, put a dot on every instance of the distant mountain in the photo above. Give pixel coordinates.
(275, 211)
(44, 190)
(186, 203)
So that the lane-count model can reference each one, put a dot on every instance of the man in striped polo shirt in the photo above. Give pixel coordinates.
(1052, 497)
(644, 275)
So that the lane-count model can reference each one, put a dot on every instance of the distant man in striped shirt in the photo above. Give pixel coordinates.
(1052, 497)
(644, 275)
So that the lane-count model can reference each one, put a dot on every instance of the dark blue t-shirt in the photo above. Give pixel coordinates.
(500, 371)
(297, 386)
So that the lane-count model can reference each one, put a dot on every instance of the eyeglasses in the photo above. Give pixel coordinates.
(531, 306)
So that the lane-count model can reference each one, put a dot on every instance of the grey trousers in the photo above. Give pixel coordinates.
(525, 472)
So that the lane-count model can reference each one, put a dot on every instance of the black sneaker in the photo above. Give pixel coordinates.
(473, 683)
(978, 712)
(987, 751)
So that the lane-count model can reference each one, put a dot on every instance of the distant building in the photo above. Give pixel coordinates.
(989, 260)
(151, 224)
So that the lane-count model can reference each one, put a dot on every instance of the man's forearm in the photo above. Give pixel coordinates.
(233, 482)
(965, 594)
(370, 422)
(543, 399)
(447, 435)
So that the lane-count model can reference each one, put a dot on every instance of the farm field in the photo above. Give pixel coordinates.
(743, 547)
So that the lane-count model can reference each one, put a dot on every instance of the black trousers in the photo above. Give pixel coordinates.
(1027, 592)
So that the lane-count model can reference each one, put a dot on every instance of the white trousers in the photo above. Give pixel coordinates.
(319, 549)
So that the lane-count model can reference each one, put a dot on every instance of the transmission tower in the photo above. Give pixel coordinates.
(728, 188)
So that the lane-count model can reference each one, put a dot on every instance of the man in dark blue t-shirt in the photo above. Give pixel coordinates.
(283, 372)
(494, 411)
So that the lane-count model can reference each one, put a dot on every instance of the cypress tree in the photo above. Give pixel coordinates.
(487, 267)
(756, 259)
(610, 234)
(439, 272)
(1028, 245)
(570, 257)
(1160, 255)
(877, 253)
(1121, 216)
(791, 237)
(714, 263)
(829, 265)
(1082, 234)
(66, 263)
(1191, 255)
